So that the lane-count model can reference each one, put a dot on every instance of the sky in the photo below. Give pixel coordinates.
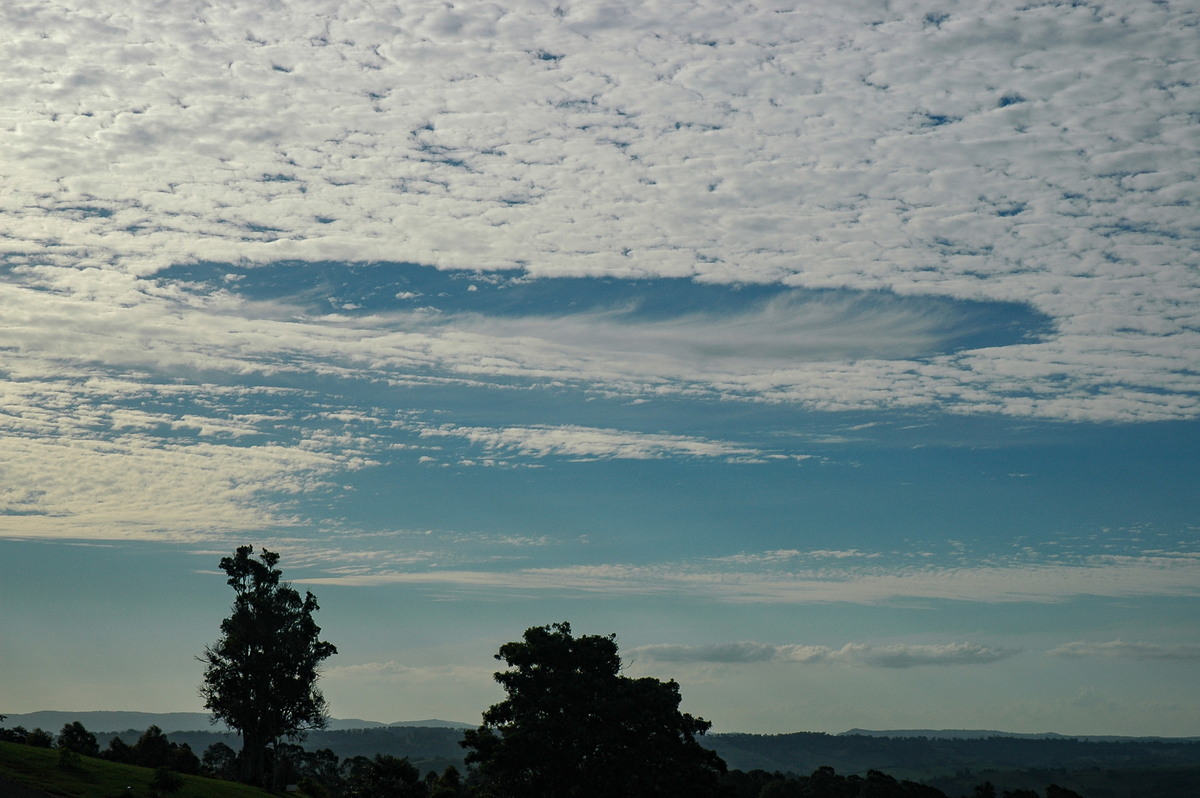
(841, 359)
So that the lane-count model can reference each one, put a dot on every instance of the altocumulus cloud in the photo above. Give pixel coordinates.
(859, 148)
(897, 655)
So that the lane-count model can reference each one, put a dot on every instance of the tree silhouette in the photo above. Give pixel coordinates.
(74, 737)
(219, 760)
(152, 749)
(573, 727)
(260, 676)
(39, 738)
(385, 776)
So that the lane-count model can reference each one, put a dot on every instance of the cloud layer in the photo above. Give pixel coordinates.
(1130, 650)
(897, 655)
(1001, 581)
(214, 223)
(1020, 153)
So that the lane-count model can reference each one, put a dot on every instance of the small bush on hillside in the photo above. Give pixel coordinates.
(166, 781)
(69, 760)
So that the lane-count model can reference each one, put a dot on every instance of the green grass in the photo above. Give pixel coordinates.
(40, 769)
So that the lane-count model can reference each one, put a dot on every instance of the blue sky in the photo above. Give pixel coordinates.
(841, 359)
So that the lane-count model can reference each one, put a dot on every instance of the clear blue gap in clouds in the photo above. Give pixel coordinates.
(1001, 491)
(357, 290)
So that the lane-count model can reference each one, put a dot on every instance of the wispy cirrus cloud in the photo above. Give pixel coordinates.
(578, 442)
(896, 655)
(1013, 581)
(1120, 649)
(393, 671)
(785, 555)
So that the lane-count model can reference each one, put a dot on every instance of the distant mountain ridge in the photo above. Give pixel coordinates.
(114, 721)
(119, 721)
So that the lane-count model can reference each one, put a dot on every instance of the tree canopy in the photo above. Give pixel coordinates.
(573, 727)
(260, 676)
(74, 737)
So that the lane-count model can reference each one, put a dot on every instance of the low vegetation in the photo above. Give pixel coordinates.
(73, 776)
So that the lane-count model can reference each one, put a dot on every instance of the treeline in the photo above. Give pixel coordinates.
(803, 751)
(429, 748)
(825, 782)
(317, 774)
(151, 750)
(322, 774)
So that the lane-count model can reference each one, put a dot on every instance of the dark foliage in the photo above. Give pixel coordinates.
(118, 751)
(152, 750)
(39, 739)
(260, 676)
(801, 752)
(74, 737)
(824, 782)
(449, 784)
(17, 734)
(69, 760)
(573, 727)
(166, 781)
(219, 761)
(382, 777)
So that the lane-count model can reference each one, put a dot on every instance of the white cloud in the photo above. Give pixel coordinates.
(592, 443)
(784, 555)
(99, 457)
(896, 655)
(1129, 650)
(136, 487)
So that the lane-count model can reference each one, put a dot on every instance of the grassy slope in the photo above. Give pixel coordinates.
(95, 778)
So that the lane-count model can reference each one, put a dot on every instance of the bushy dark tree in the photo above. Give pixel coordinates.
(385, 776)
(260, 676)
(322, 768)
(448, 785)
(74, 737)
(183, 759)
(573, 727)
(118, 751)
(39, 738)
(152, 749)
(16, 734)
(220, 761)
